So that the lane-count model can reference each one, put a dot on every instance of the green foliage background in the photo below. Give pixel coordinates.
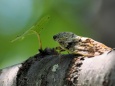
(17, 16)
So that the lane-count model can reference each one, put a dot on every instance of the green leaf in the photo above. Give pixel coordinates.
(39, 25)
(35, 29)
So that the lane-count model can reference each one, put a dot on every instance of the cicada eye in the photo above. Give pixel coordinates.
(55, 37)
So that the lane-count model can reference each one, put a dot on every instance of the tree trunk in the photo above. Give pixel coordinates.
(48, 68)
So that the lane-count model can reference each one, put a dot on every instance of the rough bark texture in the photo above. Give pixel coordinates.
(49, 68)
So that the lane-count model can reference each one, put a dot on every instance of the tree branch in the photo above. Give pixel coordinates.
(48, 68)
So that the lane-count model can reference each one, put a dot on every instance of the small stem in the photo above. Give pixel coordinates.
(39, 40)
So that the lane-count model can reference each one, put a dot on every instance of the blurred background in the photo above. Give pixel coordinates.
(90, 18)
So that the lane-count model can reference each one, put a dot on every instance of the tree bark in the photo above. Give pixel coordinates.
(48, 68)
